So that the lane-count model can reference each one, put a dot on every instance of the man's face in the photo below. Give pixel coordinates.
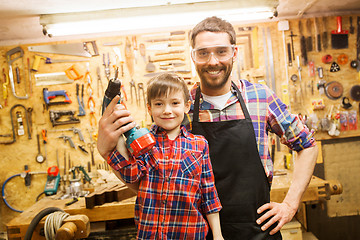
(214, 74)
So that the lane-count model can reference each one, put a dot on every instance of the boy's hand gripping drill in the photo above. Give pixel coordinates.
(138, 141)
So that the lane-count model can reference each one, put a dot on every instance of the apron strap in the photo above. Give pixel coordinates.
(239, 96)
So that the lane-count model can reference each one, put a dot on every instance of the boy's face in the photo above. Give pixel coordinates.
(168, 112)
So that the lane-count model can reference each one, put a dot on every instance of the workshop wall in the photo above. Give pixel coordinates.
(261, 59)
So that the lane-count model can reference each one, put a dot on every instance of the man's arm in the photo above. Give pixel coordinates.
(285, 211)
(214, 222)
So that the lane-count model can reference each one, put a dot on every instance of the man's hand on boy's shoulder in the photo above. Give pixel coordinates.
(111, 125)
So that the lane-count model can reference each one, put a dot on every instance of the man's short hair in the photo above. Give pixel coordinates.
(165, 84)
(213, 24)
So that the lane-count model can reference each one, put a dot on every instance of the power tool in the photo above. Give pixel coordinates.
(53, 94)
(138, 141)
(52, 182)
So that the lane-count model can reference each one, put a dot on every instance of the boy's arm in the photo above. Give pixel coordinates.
(214, 222)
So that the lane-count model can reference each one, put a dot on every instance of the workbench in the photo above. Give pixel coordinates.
(318, 190)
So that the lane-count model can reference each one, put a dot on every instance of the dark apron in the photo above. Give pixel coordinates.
(240, 178)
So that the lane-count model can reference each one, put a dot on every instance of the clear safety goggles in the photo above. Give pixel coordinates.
(222, 53)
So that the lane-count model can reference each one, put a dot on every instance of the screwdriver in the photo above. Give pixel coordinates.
(48, 60)
(44, 135)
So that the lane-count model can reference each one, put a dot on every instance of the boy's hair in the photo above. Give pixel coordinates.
(213, 24)
(164, 84)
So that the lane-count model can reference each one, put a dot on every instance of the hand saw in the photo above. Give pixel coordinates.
(74, 49)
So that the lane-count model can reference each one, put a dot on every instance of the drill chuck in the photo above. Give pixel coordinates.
(138, 141)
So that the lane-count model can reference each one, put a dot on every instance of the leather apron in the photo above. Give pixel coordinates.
(240, 178)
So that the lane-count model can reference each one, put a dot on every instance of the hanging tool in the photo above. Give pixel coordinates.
(324, 35)
(309, 41)
(107, 66)
(81, 106)
(355, 92)
(72, 73)
(163, 46)
(29, 75)
(171, 38)
(5, 84)
(339, 37)
(48, 95)
(91, 101)
(99, 82)
(169, 57)
(300, 80)
(133, 87)
(352, 28)
(12, 124)
(303, 49)
(141, 92)
(67, 139)
(52, 79)
(138, 141)
(55, 116)
(118, 55)
(39, 157)
(15, 51)
(20, 126)
(317, 36)
(38, 58)
(334, 90)
(52, 181)
(289, 54)
(91, 147)
(129, 56)
(173, 33)
(74, 130)
(150, 66)
(44, 136)
(292, 45)
(74, 49)
(142, 50)
(135, 48)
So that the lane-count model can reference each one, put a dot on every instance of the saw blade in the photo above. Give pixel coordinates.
(355, 92)
(73, 49)
(334, 90)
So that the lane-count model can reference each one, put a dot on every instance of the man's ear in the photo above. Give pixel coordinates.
(236, 52)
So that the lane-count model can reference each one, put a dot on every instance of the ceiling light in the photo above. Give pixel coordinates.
(150, 18)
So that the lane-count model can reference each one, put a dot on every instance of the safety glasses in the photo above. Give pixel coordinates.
(222, 53)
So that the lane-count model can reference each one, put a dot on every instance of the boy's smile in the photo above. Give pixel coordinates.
(168, 112)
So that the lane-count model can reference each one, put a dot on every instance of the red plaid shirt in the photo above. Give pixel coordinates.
(176, 186)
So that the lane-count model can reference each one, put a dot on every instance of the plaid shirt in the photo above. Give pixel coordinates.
(176, 186)
(268, 114)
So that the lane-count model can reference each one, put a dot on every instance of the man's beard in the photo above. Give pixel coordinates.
(211, 84)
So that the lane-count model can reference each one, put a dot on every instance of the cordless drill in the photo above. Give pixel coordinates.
(138, 141)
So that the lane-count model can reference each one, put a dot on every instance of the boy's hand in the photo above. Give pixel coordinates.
(111, 126)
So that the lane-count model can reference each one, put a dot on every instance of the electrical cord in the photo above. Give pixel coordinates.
(52, 223)
(37, 219)
(3, 193)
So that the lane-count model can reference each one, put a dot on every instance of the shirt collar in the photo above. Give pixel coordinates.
(155, 129)
(233, 99)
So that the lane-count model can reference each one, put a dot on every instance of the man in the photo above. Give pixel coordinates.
(235, 116)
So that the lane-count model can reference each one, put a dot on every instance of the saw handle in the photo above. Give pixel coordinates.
(339, 27)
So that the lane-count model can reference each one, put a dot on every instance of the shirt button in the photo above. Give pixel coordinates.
(166, 157)
(164, 201)
(168, 179)
(163, 224)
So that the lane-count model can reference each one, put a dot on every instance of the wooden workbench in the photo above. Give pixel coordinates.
(318, 189)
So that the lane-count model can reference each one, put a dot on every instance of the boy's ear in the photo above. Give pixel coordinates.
(187, 106)
(148, 108)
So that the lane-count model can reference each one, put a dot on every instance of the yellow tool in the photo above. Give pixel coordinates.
(5, 84)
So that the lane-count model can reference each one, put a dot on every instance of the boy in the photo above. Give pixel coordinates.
(176, 182)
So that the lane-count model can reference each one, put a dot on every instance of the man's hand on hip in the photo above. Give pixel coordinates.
(280, 213)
